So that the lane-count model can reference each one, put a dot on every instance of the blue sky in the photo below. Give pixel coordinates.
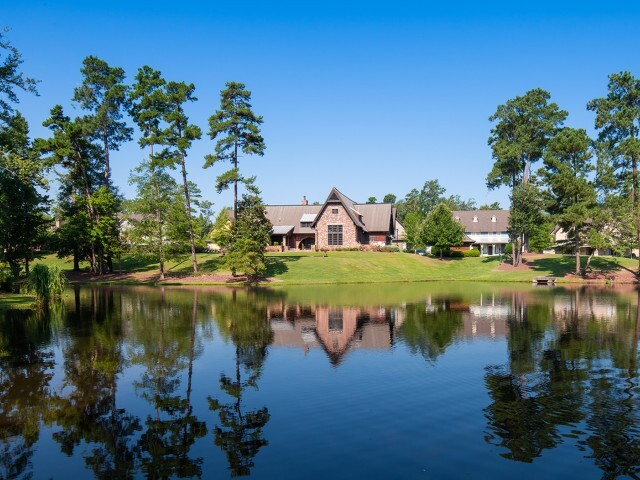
(370, 97)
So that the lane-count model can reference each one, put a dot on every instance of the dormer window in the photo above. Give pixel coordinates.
(475, 219)
(493, 219)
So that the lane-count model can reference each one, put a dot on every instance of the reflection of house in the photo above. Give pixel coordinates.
(485, 229)
(337, 330)
(600, 308)
(338, 223)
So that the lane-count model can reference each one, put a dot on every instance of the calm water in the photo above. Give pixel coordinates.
(383, 381)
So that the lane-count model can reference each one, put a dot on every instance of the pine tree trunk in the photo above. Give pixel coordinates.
(188, 201)
(577, 246)
(235, 180)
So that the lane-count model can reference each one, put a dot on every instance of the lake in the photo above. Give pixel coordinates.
(426, 380)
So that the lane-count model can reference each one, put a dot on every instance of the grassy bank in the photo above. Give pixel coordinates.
(16, 301)
(305, 268)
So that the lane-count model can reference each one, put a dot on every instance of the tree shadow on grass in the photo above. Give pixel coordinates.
(565, 264)
(277, 265)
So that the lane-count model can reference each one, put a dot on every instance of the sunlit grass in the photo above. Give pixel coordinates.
(301, 268)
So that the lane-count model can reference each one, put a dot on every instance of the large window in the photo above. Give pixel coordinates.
(335, 235)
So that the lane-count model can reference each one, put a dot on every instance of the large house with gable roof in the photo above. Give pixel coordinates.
(487, 230)
(337, 223)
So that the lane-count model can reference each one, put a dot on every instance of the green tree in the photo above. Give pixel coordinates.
(250, 234)
(71, 149)
(413, 224)
(618, 119)
(525, 217)
(156, 188)
(23, 217)
(372, 200)
(389, 198)
(238, 129)
(570, 193)
(157, 193)
(103, 93)
(222, 228)
(178, 137)
(11, 78)
(441, 230)
(523, 127)
(490, 206)
(541, 238)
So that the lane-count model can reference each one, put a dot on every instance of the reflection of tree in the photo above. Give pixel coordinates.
(166, 353)
(538, 393)
(584, 374)
(239, 434)
(93, 361)
(614, 408)
(429, 331)
(25, 374)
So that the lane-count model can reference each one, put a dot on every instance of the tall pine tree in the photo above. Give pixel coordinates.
(237, 129)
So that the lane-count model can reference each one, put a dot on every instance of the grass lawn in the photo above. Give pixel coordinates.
(8, 300)
(300, 268)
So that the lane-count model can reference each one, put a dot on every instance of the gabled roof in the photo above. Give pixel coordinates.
(483, 221)
(335, 196)
(370, 217)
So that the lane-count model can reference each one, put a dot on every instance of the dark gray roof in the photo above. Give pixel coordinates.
(280, 215)
(483, 221)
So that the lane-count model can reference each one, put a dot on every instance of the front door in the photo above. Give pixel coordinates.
(489, 249)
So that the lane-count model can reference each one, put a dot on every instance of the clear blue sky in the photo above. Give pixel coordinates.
(370, 97)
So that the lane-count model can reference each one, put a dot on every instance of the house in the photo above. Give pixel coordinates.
(486, 230)
(564, 243)
(338, 223)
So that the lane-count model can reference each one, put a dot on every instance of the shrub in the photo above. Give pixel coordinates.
(508, 249)
(46, 282)
(410, 250)
(435, 251)
(389, 249)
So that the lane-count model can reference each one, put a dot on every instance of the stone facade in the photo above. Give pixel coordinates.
(349, 230)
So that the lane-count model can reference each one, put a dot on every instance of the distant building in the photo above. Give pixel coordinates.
(486, 230)
(338, 223)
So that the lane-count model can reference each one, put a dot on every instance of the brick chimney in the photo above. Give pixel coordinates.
(304, 201)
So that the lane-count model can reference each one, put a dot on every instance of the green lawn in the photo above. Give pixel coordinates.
(299, 268)
(16, 301)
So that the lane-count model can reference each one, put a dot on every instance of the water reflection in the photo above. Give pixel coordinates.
(164, 382)
(239, 432)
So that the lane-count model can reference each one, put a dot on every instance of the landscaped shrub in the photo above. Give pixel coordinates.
(508, 249)
(389, 249)
(474, 252)
(435, 251)
(410, 250)
(46, 282)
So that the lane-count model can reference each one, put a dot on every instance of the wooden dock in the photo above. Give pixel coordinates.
(544, 280)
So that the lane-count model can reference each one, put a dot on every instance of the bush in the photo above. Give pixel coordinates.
(389, 249)
(435, 251)
(46, 282)
(410, 250)
(508, 249)
(474, 252)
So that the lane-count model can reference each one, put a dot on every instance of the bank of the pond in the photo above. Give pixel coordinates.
(303, 268)
(8, 300)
